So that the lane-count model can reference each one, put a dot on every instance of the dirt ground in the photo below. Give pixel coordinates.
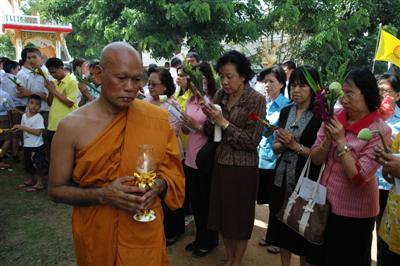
(36, 231)
(255, 255)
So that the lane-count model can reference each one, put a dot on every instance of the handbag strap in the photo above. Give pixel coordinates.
(318, 181)
(303, 172)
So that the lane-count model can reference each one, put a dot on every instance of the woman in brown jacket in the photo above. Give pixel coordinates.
(234, 183)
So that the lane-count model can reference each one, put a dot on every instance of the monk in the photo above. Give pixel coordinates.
(93, 159)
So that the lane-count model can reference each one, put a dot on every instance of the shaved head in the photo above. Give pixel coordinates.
(115, 51)
(121, 74)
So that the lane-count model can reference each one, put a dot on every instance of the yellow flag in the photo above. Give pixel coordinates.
(389, 49)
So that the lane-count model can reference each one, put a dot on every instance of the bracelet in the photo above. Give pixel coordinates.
(226, 125)
(300, 150)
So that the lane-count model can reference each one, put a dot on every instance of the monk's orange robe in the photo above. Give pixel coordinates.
(103, 234)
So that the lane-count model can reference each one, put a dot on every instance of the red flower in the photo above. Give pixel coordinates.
(253, 116)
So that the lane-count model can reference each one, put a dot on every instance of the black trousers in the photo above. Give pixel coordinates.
(174, 221)
(199, 188)
(348, 241)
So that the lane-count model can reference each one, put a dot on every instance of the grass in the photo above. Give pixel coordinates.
(33, 229)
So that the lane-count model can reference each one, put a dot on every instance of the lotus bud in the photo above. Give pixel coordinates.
(365, 134)
(163, 98)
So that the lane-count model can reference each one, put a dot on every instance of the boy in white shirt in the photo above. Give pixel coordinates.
(32, 125)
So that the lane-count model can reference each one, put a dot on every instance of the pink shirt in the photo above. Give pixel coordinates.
(358, 198)
(196, 140)
(175, 122)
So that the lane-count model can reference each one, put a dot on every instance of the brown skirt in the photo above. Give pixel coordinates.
(232, 200)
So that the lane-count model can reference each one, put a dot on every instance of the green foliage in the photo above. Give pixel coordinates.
(327, 33)
(6, 47)
(159, 26)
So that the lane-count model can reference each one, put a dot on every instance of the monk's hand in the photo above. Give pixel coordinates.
(159, 189)
(123, 195)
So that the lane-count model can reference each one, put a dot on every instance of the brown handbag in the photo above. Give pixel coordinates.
(306, 217)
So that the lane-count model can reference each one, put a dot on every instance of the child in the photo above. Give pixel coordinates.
(32, 125)
(6, 106)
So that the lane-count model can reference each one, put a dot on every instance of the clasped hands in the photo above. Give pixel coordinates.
(121, 194)
(390, 163)
(213, 113)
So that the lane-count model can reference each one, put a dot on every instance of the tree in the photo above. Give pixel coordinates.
(326, 33)
(158, 26)
(6, 47)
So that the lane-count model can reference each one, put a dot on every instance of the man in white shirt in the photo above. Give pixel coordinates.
(288, 67)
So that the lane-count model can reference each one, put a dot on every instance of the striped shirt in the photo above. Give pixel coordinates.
(357, 198)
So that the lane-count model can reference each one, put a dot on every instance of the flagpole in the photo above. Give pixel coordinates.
(376, 47)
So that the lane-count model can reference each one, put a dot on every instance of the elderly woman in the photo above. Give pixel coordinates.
(199, 181)
(274, 83)
(389, 230)
(389, 85)
(161, 83)
(296, 134)
(349, 174)
(235, 175)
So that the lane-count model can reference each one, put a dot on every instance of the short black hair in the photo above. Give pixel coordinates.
(151, 68)
(241, 62)
(3, 59)
(93, 63)
(393, 80)
(9, 65)
(194, 55)
(298, 76)
(289, 64)
(54, 62)
(277, 71)
(28, 50)
(205, 69)
(35, 97)
(176, 62)
(367, 84)
(167, 64)
(166, 79)
(77, 62)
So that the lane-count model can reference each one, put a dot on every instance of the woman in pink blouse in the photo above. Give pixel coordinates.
(349, 175)
(198, 182)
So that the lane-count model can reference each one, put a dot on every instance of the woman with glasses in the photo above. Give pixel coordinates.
(349, 174)
(389, 85)
(293, 140)
(160, 82)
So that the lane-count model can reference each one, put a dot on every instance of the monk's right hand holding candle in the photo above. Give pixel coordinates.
(123, 195)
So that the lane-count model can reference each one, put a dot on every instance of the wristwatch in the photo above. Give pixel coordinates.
(341, 150)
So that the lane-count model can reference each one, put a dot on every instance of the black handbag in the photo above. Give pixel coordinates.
(206, 157)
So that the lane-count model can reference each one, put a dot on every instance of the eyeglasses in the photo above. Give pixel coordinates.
(152, 85)
(349, 95)
(386, 90)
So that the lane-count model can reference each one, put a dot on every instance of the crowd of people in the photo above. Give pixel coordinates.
(44, 100)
